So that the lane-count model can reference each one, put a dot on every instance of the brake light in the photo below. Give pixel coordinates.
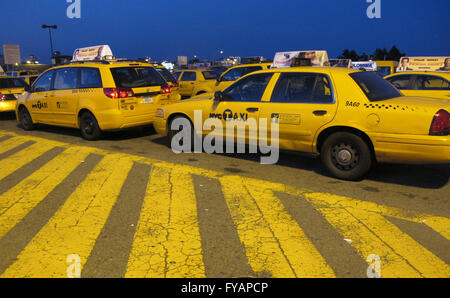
(165, 89)
(2, 97)
(440, 124)
(118, 92)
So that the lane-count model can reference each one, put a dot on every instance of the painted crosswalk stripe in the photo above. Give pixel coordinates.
(274, 243)
(76, 226)
(370, 233)
(23, 157)
(167, 240)
(12, 143)
(21, 199)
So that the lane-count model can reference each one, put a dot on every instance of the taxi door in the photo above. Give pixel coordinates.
(429, 86)
(38, 100)
(187, 82)
(241, 104)
(301, 103)
(64, 97)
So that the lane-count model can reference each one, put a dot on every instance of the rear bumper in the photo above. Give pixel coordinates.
(8, 106)
(412, 149)
(115, 120)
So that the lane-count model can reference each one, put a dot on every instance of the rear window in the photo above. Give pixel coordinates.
(375, 87)
(135, 77)
(6, 83)
(209, 75)
(166, 75)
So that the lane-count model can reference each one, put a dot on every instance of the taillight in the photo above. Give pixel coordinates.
(2, 97)
(165, 89)
(118, 92)
(440, 124)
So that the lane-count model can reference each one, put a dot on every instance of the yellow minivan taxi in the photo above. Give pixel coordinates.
(94, 97)
(422, 83)
(10, 89)
(351, 118)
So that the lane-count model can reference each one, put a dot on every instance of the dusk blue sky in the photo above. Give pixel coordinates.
(170, 28)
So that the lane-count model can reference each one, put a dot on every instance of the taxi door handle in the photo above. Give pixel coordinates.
(252, 110)
(320, 113)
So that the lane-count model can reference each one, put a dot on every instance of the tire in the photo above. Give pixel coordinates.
(25, 119)
(89, 127)
(172, 132)
(346, 156)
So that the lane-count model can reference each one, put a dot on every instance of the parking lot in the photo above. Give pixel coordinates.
(128, 206)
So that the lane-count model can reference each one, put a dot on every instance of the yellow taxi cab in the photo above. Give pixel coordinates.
(10, 89)
(94, 96)
(351, 118)
(29, 79)
(171, 81)
(228, 77)
(422, 83)
(385, 68)
(189, 79)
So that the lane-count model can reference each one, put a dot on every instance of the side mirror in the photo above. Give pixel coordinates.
(218, 96)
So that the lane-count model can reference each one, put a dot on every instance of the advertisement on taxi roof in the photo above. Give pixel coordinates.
(424, 64)
(366, 65)
(284, 59)
(92, 53)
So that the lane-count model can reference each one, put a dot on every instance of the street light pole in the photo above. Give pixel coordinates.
(49, 27)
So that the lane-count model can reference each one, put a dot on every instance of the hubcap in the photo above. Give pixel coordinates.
(345, 156)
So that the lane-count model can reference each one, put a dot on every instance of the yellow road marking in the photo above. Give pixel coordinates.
(167, 241)
(21, 199)
(76, 226)
(12, 143)
(23, 157)
(304, 258)
(371, 233)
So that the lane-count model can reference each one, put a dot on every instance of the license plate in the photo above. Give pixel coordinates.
(147, 99)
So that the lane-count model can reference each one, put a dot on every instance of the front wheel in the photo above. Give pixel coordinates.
(89, 127)
(25, 119)
(346, 156)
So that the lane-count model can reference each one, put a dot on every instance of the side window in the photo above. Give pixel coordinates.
(66, 79)
(431, 83)
(233, 74)
(189, 76)
(177, 75)
(90, 78)
(400, 82)
(302, 88)
(44, 83)
(250, 88)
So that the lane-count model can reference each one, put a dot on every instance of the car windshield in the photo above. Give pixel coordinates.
(6, 83)
(375, 87)
(209, 75)
(166, 75)
(135, 77)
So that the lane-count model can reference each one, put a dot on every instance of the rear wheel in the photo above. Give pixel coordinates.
(25, 119)
(172, 132)
(89, 127)
(346, 156)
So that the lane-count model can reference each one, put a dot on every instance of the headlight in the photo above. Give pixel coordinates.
(160, 113)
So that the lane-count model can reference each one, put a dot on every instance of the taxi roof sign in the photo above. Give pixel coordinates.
(366, 65)
(92, 53)
(284, 59)
(424, 64)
